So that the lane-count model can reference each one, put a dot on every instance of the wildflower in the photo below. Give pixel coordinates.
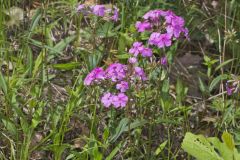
(132, 60)
(95, 75)
(115, 14)
(136, 48)
(80, 7)
(122, 86)
(107, 99)
(164, 61)
(119, 100)
(116, 72)
(154, 38)
(174, 30)
(169, 17)
(154, 15)
(140, 73)
(164, 40)
(147, 52)
(185, 31)
(143, 26)
(160, 40)
(98, 10)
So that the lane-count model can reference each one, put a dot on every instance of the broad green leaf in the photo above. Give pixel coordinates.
(228, 140)
(60, 46)
(199, 147)
(10, 126)
(216, 81)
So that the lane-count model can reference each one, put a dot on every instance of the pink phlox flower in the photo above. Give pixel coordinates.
(164, 61)
(139, 72)
(119, 100)
(164, 40)
(154, 38)
(122, 86)
(96, 74)
(80, 7)
(107, 99)
(98, 10)
(132, 60)
(147, 52)
(136, 49)
(143, 26)
(154, 15)
(116, 72)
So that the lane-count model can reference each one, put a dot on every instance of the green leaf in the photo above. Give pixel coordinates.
(201, 85)
(123, 56)
(38, 62)
(223, 64)
(199, 147)
(114, 152)
(60, 46)
(228, 140)
(66, 66)
(123, 125)
(160, 148)
(216, 81)
(3, 84)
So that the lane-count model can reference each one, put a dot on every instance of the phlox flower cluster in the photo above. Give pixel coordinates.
(164, 28)
(99, 10)
(119, 75)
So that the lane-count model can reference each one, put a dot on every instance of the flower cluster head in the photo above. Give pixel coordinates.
(119, 75)
(138, 48)
(99, 10)
(118, 101)
(164, 27)
(116, 72)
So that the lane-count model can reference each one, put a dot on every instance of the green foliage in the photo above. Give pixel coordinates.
(210, 148)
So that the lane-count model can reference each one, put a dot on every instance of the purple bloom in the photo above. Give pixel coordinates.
(136, 48)
(132, 60)
(80, 7)
(98, 10)
(143, 26)
(116, 72)
(230, 89)
(154, 38)
(178, 21)
(164, 61)
(115, 14)
(169, 17)
(174, 30)
(185, 31)
(154, 15)
(119, 100)
(147, 52)
(95, 75)
(164, 40)
(122, 86)
(107, 99)
(140, 73)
